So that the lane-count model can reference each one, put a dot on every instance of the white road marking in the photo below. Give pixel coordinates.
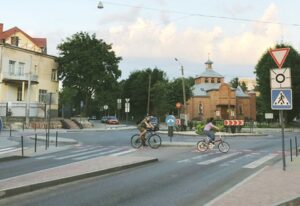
(124, 152)
(97, 154)
(45, 157)
(82, 150)
(11, 150)
(185, 160)
(260, 161)
(80, 154)
(207, 162)
(234, 187)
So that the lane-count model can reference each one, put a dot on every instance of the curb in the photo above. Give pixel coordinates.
(292, 202)
(53, 139)
(28, 188)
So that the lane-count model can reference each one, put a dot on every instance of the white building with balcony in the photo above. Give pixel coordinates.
(27, 75)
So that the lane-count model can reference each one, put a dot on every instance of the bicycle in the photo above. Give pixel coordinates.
(151, 138)
(203, 145)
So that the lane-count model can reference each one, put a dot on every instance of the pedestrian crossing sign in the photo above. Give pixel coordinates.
(281, 99)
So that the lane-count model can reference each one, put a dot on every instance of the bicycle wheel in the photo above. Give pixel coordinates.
(136, 141)
(224, 147)
(154, 141)
(202, 146)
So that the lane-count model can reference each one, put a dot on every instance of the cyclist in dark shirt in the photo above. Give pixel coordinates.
(143, 126)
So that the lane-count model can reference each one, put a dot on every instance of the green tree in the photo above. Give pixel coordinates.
(262, 71)
(136, 88)
(89, 66)
(176, 92)
(66, 101)
(234, 83)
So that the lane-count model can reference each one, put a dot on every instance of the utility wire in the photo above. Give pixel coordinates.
(204, 15)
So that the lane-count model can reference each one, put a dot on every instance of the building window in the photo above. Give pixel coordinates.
(54, 75)
(212, 80)
(11, 67)
(219, 80)
(14, 40)
(19, 93)
(206, 80)
(21, 68)
(42, 95)
(241, 109)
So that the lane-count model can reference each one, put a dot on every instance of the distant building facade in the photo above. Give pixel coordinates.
(212, 97)
(27, 75)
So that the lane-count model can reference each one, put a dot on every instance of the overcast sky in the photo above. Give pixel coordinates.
(151, 33)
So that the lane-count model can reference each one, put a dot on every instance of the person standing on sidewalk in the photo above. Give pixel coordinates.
(208, 130)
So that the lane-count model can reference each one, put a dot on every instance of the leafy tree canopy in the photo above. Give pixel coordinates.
(87, 65)
(235, 83)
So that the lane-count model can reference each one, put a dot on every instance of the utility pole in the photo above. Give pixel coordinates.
(28, 95)
(183, 93)
(149, 87)
(183, 85)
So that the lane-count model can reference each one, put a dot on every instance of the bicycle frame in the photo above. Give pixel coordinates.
(203, 144)
(151, 138)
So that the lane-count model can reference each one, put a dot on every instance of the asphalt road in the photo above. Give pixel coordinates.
(183, 176)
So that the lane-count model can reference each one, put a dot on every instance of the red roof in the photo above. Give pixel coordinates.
(40, 42)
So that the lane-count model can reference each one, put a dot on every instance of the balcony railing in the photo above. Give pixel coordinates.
(7, 77)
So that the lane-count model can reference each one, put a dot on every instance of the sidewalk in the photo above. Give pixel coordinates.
(269, 186)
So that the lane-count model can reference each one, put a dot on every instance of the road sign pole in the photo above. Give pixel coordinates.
(282, 132)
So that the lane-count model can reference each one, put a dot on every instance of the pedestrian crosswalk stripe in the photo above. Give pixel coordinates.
(8, 148)
(260, 161)
(80, 154)
(207, 162)
(45, 157)
(4, 151)
(124, 152)
(97, 154)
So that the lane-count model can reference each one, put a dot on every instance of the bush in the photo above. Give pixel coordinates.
(201, 124)
(200, 127)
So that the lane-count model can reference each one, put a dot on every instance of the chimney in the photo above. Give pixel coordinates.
(1, 27)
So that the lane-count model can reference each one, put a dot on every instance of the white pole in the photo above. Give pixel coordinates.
(28, 94)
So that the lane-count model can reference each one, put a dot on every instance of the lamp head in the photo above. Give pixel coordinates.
(100, 5)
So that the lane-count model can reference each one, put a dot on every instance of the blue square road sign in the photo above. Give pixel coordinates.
(281, 99)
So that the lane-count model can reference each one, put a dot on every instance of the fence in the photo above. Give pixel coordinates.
(18, 109)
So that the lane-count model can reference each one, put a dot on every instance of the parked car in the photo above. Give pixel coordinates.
(155, 122)
(104, 119)
(92, 118)
(112, 120)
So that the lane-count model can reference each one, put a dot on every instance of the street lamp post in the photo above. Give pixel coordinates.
(100, 5)
(183, 86)
(27, 114)
(149, 87)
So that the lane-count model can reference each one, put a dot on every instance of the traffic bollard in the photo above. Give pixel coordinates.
(35, 141)
(56, 136)
(46, 141)
(296, 145)
(291, 150)
(22, 144)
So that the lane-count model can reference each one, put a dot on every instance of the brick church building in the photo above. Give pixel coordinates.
(212, 97)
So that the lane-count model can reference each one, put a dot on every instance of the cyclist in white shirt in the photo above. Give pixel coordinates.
(208, 130)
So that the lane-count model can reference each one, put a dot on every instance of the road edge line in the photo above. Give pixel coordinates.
(211, 202)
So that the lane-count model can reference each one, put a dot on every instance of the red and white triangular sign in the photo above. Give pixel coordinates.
(279, 55)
